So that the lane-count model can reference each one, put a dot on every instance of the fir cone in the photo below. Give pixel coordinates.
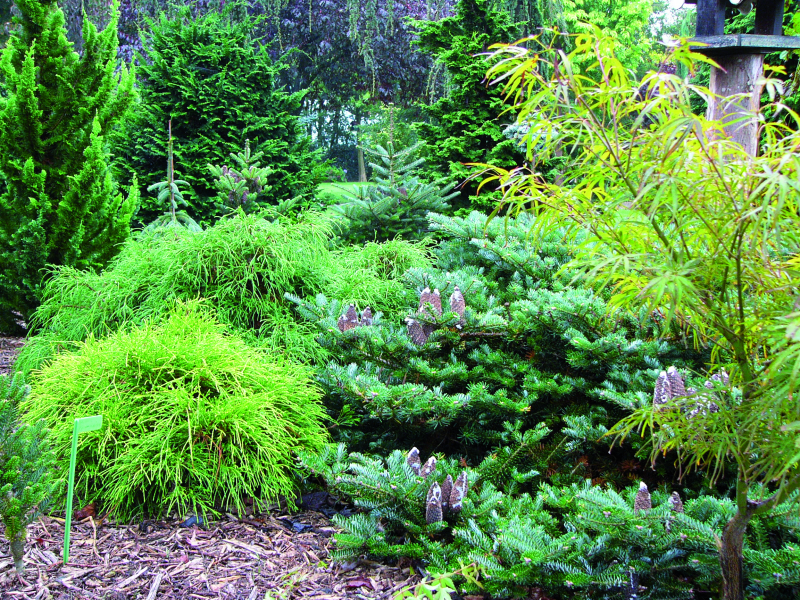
(436, 302)
(428, 467)
(458, 306)
(642, 501)
(433, 504)
(676, 386)
(348, 320)
(675, 502)
(413, 460)
(366, 317)
(721, 377)
(447, 488)
(696, 409)
(662, 393)
(459, 492)
(416, 332)
(424, 299)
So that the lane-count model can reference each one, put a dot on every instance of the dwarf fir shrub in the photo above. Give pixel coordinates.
(529, 348)
(568, 541)
(397, 204)
(193, 419)
(26, 467)
(243, 266)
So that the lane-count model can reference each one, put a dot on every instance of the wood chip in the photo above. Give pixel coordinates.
(233, 560)
(155, 585)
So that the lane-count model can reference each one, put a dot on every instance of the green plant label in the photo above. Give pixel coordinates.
(81, 426)
(88, 424)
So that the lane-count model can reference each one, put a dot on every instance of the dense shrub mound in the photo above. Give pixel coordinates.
(243, 266)
(534, 347)
(193, 419)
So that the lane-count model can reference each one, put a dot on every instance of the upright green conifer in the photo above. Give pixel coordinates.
(60, 206)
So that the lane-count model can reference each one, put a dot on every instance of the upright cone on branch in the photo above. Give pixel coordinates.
(413, 460)
(676, 386)
(675, 502)
(458, 306)
(459, 492)
(424, 299)
(447, 488)
(349, 320)
(429, 467)
(433, 504)
(642, 502)
(661, 393)
(436, 302)
(415, 331)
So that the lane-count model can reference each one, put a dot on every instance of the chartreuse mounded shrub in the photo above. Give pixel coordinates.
(242, 266)
(576, 541)
(193, 418)
(26, 467)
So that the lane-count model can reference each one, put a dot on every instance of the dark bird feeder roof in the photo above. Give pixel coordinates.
(767, 36)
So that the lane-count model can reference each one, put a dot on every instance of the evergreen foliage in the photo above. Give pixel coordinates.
(26, 467)
(216, 83)
(463, 125)
(194, 419)
(240, 186)
(398, 203)
(170, 189)
(242, 266)
(529, 349)
(565, 541)
(60, 204)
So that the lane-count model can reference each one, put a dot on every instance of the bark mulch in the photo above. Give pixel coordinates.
(9, 347)
(251, 558)
(271, 556)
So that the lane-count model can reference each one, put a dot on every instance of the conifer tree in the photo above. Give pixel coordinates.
(26, 467)
(61, 205)
(398, 202)
(463, 125)
(216, 82)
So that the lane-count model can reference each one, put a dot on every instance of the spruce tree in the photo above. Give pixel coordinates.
(61, 205)
(212, 78)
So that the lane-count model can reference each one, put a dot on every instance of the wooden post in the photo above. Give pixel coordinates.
(741, 63)
(739, 93)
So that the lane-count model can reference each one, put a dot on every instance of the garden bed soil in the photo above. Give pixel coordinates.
(246, 559)
(9, 348)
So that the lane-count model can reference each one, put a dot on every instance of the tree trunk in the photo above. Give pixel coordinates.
(730, 556)
(362, 169)
(18, 552)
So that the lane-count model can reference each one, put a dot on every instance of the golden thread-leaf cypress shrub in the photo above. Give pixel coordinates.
(193, 418)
